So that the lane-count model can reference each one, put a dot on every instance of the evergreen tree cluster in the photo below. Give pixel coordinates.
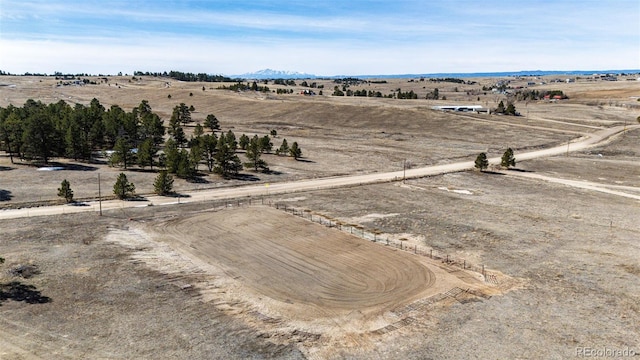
(433, 95)
(239, 86)
(131, 138)
(509, 110)
(406, 95)
(362, 92)
(286, 82)
(350, 81)
(508, 160)
(40, 132)
(182, 76)
(453, 80)
(526, 94)
(284, 91)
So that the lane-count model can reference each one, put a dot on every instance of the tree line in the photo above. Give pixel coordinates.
(524, 95)
(239, 86)
(39, 132)
(186, 76)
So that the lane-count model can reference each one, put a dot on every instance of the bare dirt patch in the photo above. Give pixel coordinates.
(279, 272)
(102, 303)
(194, 283)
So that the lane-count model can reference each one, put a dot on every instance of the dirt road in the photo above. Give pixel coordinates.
(596, 138)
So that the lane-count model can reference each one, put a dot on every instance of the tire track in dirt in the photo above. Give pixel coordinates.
(298, 263)
(289, 279)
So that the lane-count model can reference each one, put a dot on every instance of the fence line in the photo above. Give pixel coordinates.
(385, 240)
(360, 231)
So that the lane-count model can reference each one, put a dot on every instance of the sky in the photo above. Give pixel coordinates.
(330, 37)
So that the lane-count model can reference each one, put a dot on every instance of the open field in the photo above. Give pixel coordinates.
(338, 135)
(190, 281)
(579, 256)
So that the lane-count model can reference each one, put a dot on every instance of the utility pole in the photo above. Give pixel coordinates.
(404, 170)
(99, 195)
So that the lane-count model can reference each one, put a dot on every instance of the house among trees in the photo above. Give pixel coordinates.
(461, 108)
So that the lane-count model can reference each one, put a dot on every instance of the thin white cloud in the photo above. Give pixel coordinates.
(417, 37)
(227, 58)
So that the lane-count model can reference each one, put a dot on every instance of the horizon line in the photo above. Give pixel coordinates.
(303, 74)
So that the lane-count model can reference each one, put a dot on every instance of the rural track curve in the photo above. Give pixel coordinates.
(297, 263)
(260, 190)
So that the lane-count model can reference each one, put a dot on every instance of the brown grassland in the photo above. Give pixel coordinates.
(201, 281)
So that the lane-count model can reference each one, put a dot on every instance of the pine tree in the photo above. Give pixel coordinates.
(146, 153)
(151, 126)
(123, 189)
(283, 149)
(64, 191)
(180, 137)
(195, 156)
(244, 142)
(230, 139)
(482, 162)
(209, 143)
(180, 115)
(198, 131)
(508, 160)
(121, 153)
(73, 146)
(171, 156)
(265, 144)
(212, 123)
(185, 168)
(226, 160)
(295, 151)
(163, 185)
(254, 151)
(184, 113)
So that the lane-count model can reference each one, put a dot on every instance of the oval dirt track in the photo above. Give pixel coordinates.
(293, 260)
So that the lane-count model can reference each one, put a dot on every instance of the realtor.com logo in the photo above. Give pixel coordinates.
(604, 352)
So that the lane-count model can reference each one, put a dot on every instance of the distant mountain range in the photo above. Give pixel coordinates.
(282, 74)
(274, 74)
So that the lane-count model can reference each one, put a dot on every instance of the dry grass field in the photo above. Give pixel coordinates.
(191, 281)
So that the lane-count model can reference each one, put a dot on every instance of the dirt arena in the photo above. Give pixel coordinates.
(275, 270)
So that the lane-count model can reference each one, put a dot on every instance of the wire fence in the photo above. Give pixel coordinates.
(454, 263)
